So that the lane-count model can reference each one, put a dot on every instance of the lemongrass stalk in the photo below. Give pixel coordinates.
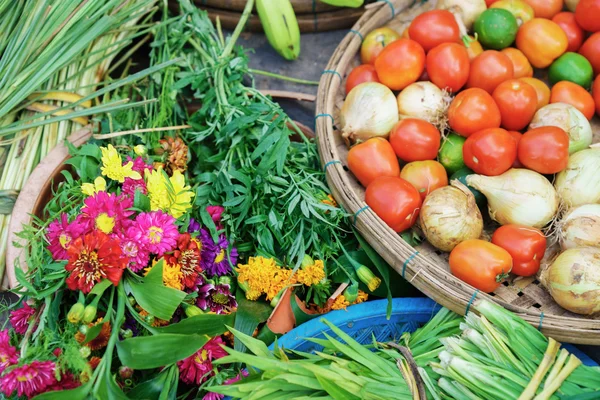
(560, 361)
(554, 384)
(451, 388)
(543, 368)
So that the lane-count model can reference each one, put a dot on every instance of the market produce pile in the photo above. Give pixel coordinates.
(453, 136)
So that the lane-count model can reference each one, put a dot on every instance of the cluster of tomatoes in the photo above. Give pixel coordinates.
(495, 99)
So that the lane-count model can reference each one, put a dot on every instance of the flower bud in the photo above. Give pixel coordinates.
(131, 300)
(76, 313)
(149, 319)
(351, 292)
(140, 150)
(191, 311)
(125, 372)
(277, 298)
(89, 314)
(126, 333)
(83, 329)
(85, 351)
(245, 286)
(368, 278)
(128, 382)
(225, 280)
(306, 261)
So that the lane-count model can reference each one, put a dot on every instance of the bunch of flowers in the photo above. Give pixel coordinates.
(123, 258)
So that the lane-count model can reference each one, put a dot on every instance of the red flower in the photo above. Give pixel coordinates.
(92, 258)
(187, 256)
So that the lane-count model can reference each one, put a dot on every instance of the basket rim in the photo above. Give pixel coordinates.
(419, 270)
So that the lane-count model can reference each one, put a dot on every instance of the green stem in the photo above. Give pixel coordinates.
(282, 77)
(238, 29)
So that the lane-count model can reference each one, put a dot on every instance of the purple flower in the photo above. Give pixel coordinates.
(20, 318)
(217, 298)
(214, 255)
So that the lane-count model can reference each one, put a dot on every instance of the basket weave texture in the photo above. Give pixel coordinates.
(424, 266)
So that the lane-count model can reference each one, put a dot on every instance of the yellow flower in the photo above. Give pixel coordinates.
(172, 276)
(361, 298)
(112, 166)
(311, 274)
(340, 303)
(329, 201)
(90, 189)
(264, 276)
(169, 194)
(139, 150)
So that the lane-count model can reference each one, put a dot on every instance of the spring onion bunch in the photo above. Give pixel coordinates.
(54, 54)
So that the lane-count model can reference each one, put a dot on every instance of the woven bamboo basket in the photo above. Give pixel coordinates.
(300, 6)
(424, 266)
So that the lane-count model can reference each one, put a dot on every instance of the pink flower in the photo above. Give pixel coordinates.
(213, 396)
(29, 379)
(8, 354)
(107, 213)
(139, 165)
(20, 318)
(67, 382)
(156, 230)
(197, 368)
(131, 185)
(237, 378)
(61, 233)
(215, 213)
(135, 250)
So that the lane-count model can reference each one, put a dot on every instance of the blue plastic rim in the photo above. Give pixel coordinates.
(364, 320)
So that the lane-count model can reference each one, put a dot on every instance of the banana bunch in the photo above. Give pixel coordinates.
(344, 3)
(281, 27)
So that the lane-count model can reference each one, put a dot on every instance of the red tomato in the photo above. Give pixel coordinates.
(490, 69)
(374, 43)
(587, 15)
(575, 35)
(395, 201)
(596, 94)
(521, 66)
(590, 49)
(415, 140)
(526, 246)
(542, 90)
(448, 66)
(517, 136)
(361, 74)
(400, 64)
(433, 28)
(473, 110)
(545, 8)
(544, 149)
(488, 3)
(517, 102)
(573, 94)
(425, 176)
(481, 264)
(490, 152)
(373, 159)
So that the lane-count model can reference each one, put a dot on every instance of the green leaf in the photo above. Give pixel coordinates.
(80, 393)
(334, 390)
(256, 346)
(141, 201)
(149, 352)
(23, 281)
(93, 333)
(157, 299)
(108, 388)
(155, 275)
(99, 288)
(151, 389)
(203, 324)
(249, 314)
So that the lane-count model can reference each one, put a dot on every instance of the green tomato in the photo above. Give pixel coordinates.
(451, 153)
(496, 28)
(461, 175)
(571, 67)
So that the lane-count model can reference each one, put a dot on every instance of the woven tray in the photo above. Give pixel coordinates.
(300, 6)
(424, 266)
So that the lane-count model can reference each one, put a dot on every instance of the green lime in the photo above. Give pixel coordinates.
(571, 67)
(451, 153)
(496, 28)
(461, 175)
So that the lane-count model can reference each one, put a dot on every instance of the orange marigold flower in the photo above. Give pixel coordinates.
(100, 341)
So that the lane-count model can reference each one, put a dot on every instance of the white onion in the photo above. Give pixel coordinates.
(580, 227)
(370, 110)
(573, 280)
(467, 10)
(449, 216)
(579, 183)
(518, 196)
(570, 119)
(571, 4)
(423, 100)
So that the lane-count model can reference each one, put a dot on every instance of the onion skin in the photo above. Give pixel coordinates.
(370, 110)
(580, 227)
(467, 10)
(422, 100)
(449, 216)
(568, 118)
(518, 196)
(578, 184)
(573, 280)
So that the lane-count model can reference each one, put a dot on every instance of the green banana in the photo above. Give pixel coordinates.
(344, 3)
(281, 27)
